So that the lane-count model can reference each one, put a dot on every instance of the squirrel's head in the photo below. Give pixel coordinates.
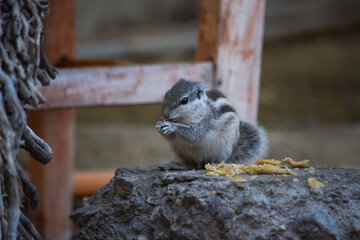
(185, 102)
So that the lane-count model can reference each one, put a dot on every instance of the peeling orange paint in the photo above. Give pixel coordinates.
(253, 19)
(110, 76)
(248, 42)
(246, 54)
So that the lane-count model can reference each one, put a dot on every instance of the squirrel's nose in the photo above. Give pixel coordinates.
(165, 114)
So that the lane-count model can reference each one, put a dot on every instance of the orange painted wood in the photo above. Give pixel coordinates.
(54, 181)
(86, 182)
(79, 87)
(59, 31)
(238, 60)
(208, 30)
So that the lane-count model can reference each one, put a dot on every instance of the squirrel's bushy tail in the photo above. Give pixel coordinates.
(253, 144)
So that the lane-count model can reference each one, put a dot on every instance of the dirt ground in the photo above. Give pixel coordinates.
(123, 145)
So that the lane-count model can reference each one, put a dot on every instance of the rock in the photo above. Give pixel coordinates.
(163, 202)
(318, 225)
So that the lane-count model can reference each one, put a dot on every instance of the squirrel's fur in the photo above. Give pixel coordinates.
(202, 127)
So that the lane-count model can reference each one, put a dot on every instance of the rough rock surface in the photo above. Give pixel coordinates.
(148, 203)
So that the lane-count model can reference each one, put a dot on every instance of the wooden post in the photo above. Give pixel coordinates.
(208, 30)
(239, 53)
(54, 180)
(56, 127)
(234, 43)
(99, 86)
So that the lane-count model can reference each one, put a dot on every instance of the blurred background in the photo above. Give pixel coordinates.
(310, 78)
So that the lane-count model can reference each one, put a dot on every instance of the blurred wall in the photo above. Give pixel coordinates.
(310, 88)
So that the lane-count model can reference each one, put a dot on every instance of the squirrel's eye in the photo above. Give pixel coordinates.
(184, 100)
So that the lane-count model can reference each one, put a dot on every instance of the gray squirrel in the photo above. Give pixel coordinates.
(202, 127)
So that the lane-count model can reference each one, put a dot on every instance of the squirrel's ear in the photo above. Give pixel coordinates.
(200, 89)
(182, 79)
(199, 86)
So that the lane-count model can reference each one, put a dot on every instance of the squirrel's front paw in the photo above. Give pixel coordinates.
(158, 126)
(164, 128)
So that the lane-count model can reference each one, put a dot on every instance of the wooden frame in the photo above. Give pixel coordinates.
(229, 51)
(94, 86)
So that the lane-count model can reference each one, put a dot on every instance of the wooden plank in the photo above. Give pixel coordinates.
(54, 181)
(239, 53)
(87, 181)
(208, 30)
(79, 87)
(59, 31)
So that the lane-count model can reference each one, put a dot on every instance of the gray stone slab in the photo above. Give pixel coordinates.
(148, 203)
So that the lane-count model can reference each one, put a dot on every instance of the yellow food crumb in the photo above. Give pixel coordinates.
(267, 168)
(236, 169)
(294, 164)
(250, 169)
(228, 167)
(262, 166)
(209, 167)
(168, 174)
(311, 170)
(268, 161)
(291, 172)
(313, 183)
(212, 174)
(220, 165)
(253, 177)
(238, 179)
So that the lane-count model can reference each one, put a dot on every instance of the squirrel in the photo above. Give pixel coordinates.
(202, 127)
